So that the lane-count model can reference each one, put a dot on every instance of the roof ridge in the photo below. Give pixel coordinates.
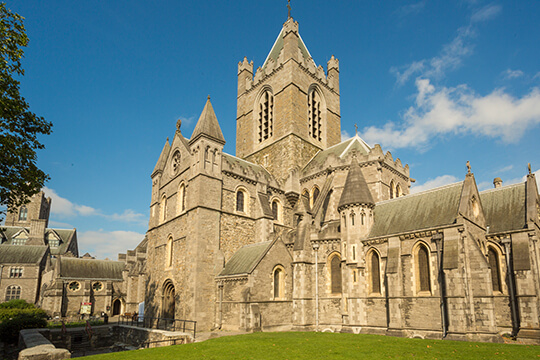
(360, 141)
(421, 193)
(502, 187)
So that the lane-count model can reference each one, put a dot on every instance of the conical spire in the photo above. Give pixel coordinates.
(355, 190)
(162, 158)
(208, 125)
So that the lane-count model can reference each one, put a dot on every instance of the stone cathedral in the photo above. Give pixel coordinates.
(303, 231)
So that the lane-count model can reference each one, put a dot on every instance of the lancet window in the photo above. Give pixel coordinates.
(314, 115)
(266, 116)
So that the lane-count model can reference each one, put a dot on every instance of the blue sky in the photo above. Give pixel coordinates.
(437, 83)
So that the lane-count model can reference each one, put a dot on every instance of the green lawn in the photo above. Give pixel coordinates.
(307, 345)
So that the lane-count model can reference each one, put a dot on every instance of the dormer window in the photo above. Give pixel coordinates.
(20, 239)
(52, 240)
(315, 115)
(266, 116)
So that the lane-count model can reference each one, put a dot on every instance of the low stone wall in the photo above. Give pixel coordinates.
(136, 336)
(37, 347)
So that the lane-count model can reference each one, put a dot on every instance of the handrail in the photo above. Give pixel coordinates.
(160, 323)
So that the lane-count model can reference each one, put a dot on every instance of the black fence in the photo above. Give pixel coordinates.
(189, 326)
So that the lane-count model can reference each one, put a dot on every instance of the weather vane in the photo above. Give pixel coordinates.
(289, 8)
(356, 128)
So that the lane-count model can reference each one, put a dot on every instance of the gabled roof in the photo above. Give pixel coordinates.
(22, 254)
(65, 235)
(74, 268)
(245, 259)
(355, 190)
(245, 165)
(341, 150)
(160, 165)
(428, 209)
(504, 208)
(278, 46)
(208, 125)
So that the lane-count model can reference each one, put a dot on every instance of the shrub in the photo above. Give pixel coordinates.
(16, 315)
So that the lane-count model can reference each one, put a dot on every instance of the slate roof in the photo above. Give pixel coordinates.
(22, 254)
(278, 46)
(74, 268)
(504, 208)
(245, 165)
(245, 259)
(355, 190)
(65, 235)
(432, 208)
(208, 125)
(340, 150)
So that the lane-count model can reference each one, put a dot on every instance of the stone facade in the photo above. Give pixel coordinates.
(301, 231)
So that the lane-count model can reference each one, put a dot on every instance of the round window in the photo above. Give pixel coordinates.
(74, 286)
(97, 286)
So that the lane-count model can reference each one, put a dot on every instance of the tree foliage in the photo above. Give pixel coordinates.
(16, 315)
(20, 177)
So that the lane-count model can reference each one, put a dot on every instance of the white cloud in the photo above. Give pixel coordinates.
(409, 9)
(434, 183)
(510, 74)
(63, 207)
(345, 135)
(108, 244)
(61, 225)
(486, 13)
(130, 216)
(505, 169)
(458, 110)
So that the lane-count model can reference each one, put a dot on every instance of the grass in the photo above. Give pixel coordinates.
(57, 325)
(307, 345)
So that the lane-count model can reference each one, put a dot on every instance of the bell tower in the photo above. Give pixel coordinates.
(289, 109)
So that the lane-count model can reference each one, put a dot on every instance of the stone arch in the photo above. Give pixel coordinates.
(264, 114)
(241, 199)
(278, 282)
(163, 208)
(494, 256)
(168, 300)
(181, 204)
(392, 189)
(334, 266)
(374, 271)
(316, 113)
(277, 209)
(117, 307)
(422, 265)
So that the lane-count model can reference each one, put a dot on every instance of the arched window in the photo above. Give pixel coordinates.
(266, 116)
(344, 221)
(335, 274)
(13, 292)
(206, 157)
(23, 213)
(276, 210)
(182, 198)
(316, 193)
(315, 115)
(279, 283)
(398, 191)
(392, 189)
(168, 300)
(240, 201)
(163, 208)
(493, 259)
(170, 251)
(363, 218)
(305, 194)
(352, 218)
(375, 273)
(422, 259)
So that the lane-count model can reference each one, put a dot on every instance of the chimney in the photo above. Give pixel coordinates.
(497, 182)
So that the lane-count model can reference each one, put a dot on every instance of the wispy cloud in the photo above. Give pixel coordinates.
(451, 55)
(345, 135)
(64, 208)
(410, 9)
(505, 169)
(458, 110)
(434, 183)
(510, 74)
(108, 244)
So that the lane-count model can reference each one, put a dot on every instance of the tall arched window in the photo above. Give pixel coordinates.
(316, 193)
(493, 259)
(182, 198)
(363, 218)
(392, 189)
(335, 274)
(315, 115)
(422, 259)
(23, 213)
(306, 194)
(240, 203)
(207, 157)
(163, 208)
(352, 218)
(170, 253)
(279, 283)
(398, 191)
(275, 210)
(375, 273)
(266, 116)
(13, 292)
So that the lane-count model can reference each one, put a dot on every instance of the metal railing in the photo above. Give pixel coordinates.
(189, 326)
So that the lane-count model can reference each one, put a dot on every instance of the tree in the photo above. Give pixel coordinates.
(20, 177)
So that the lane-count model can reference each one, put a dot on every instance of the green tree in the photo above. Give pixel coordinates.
(20, 177)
